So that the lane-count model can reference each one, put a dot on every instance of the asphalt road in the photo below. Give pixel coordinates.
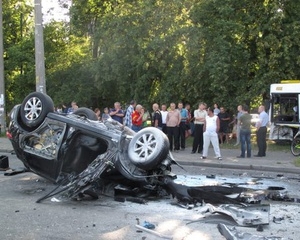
(23, 218)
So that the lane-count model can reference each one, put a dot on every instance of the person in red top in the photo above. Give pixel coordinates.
(137, 118)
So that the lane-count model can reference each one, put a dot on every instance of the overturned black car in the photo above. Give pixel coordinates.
(77, 151)
(84, 156)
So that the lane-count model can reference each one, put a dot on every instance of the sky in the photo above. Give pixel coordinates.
(52, 10)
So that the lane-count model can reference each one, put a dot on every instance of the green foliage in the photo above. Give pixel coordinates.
(226, 51)
(18, 44)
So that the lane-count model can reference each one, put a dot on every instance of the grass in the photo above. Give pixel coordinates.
(297, 162)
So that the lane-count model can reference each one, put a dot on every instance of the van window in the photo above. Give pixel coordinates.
(284, 107)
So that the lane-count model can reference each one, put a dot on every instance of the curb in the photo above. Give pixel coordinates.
(240, 167)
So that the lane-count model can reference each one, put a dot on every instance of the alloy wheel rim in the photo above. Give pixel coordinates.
(33, 108)
(145, 146)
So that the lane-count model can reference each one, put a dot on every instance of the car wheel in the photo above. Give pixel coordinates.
(87, 113)
(35, 108)
(148, 148)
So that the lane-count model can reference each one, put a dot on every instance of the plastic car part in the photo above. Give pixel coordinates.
(87, 113)
(252, 215)
(231, 214)
(157, 234)
(148, 148)
(4, 163)
(35, 108)
(186, 194)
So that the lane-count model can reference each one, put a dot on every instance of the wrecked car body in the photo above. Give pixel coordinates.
(74, 148)
(85, 156)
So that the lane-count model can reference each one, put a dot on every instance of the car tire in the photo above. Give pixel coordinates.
(148, 148)
(35, 108)
(87, 113)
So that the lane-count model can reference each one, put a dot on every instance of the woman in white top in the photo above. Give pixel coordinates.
(210, 135)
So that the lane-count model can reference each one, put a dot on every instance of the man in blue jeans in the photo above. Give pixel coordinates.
(182, 125)
(245, 132)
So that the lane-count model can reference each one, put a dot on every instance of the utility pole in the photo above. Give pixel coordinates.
(39, 48)
(2, 84)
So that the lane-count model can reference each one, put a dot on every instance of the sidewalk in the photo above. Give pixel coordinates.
(275, 161)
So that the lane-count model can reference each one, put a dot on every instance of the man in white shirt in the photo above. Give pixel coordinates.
(210, 135)
(261, 133)
(164, 114)
(199, 116)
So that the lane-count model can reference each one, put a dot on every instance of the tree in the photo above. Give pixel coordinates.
(18, 50)
(157, 51)
(243, 48)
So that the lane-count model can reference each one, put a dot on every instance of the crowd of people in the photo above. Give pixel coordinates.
(207, 125)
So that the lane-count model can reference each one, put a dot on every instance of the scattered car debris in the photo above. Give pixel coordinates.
(234, 234)
(4, 163)
(278, 219)
(15, 171)
(246, 215)
(252, 215)
(211, 176)
(157, 234)
(130, 199)
(260, 228)
(148, 225)
(209, 194)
